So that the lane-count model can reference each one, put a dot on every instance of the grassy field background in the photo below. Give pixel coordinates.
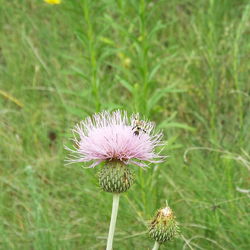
(183, 64)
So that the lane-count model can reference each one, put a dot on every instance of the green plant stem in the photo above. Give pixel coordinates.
(156, 246)
(115, 206)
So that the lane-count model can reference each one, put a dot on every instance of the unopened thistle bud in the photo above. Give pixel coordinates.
(163, 227)
(116, 177)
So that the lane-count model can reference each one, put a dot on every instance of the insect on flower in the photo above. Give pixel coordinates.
(139, 126)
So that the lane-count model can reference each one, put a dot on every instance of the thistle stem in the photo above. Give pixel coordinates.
(156, 246)
(113, 221)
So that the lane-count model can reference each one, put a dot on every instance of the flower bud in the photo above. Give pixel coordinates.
(163, 227)
(115, 177)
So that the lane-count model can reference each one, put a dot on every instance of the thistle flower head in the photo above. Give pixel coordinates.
(115, 137)
(163, 227)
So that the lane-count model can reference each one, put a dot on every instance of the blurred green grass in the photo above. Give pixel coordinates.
(181, 63)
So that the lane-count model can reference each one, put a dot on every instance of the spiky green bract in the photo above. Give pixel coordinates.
(115, 177)
(164, 227)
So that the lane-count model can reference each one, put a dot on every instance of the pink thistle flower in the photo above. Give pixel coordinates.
(114, 137)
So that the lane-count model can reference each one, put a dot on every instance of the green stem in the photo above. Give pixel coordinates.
(113, 221)
(156, 246)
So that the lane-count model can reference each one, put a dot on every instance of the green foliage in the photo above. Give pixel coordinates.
(183, 64)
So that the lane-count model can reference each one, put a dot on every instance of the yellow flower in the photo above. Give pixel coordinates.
(126, 61)
(52, 1)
